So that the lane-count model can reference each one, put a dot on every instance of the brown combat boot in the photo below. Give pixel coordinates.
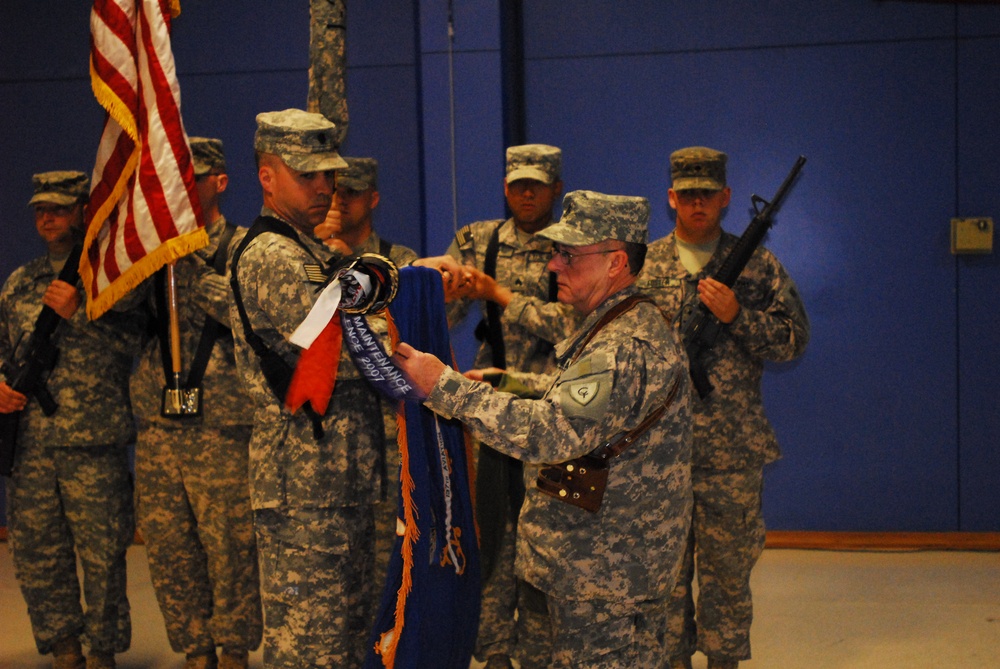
(201, 660)
(718, 663)
(680, 662)
(98, 660)
(234, 659)
(67, 654)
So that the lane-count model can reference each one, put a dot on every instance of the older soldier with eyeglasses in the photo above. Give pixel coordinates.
(606, 450)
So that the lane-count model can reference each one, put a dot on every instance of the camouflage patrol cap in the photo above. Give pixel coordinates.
(208, 155)
(360, 174)
(305, 141)
(698, 167)
(540, 162)
(589, 218)
(61, 187)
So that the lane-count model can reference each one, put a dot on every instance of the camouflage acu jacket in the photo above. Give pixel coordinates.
(201, 294)
(731, 430)
(90, 379)
(531, 324)
(629, 550)
(288, 465)
(399, 254)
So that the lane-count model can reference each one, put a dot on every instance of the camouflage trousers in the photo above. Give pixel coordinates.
(193, 507)
(65, 503)
(525, 636)
(607, 635)
(317, 585)
(726, 540)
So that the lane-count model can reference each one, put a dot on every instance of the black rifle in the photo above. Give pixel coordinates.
(700, 327)
(26, 373)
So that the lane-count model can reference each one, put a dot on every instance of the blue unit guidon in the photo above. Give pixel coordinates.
(429, 612)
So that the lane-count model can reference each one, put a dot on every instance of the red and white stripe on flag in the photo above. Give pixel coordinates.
(144, 211)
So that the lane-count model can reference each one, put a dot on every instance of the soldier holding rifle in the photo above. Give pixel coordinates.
(70, 491)
(762, 318)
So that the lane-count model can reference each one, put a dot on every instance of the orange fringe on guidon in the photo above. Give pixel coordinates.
(386, 646)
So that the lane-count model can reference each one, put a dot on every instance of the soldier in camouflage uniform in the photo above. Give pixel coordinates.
(192, 496)
(70, 494)
(349, 226)
(607, 575)
(530, 322)
(313, 478)
(355, 199)
(764, 320)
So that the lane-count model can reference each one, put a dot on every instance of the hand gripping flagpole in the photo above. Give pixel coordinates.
(177, 400)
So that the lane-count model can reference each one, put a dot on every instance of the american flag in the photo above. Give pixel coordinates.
(144, 210)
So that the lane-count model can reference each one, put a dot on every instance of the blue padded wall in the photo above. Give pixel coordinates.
(869, 419)
(891, 420)
(977, 293)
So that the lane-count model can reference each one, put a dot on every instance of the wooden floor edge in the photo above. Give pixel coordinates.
(854, 541)
(884, 541)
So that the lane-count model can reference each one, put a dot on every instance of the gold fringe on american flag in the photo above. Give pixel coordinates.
(144, 210)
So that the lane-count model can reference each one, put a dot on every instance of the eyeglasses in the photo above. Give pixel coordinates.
(567, 258)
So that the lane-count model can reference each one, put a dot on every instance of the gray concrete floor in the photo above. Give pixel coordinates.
(814, 610)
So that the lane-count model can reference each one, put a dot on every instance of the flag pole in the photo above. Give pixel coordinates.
(177, 401)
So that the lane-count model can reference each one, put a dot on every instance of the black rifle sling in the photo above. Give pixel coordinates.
(499, 479)
(494, 327)
(384, 247)
(277, 372)
(158, 322)
(213, 329)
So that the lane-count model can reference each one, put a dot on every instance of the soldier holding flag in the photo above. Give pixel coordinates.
(192, 499)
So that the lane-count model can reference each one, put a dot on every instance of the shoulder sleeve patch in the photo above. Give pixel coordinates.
(584, 390)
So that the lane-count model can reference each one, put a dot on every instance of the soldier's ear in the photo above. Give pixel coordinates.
(266, 176)
(619, 262)
(223, 181)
